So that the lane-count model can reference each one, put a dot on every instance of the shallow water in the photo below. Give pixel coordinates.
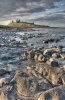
(13, 44)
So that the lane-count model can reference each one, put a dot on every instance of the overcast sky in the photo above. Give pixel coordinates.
(51, 12)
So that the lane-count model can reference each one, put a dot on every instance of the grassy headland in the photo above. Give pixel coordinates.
(25, 24)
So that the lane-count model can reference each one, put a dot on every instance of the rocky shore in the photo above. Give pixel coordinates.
(32, 66)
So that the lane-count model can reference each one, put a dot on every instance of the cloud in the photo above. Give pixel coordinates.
(8, 6)
(53, 18)
(28, 10)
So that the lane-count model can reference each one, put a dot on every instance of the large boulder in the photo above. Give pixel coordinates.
(57, 93)
(52, 62)
(26, 86)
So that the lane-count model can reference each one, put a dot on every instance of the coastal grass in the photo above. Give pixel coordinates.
(15, 24)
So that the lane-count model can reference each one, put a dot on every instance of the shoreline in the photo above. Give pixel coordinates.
(32, 65)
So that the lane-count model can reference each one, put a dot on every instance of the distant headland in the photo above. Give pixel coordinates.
(18, 23)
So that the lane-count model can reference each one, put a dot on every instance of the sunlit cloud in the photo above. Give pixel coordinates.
(33, 10)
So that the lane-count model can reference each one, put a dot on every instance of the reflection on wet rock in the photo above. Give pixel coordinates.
(32, 65)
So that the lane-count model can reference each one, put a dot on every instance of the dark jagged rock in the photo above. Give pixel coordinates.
(54, 64)
(2, 72)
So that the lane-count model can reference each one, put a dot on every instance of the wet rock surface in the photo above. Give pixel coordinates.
(32, 66)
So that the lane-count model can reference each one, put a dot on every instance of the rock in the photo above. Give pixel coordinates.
(4, 92)
(63, 49)
(2, 45)
(31, 54)
(30, 71)
(25, 85)
(56, 75)
(63, 79)
(42, 69)
(43, 85)
(21, 86)
(48, 62)
(36, 57)
(56, 93)
(3, 96)
(26, 54)
(52, 63)
(53, 77)
(40, 57)
(28, 86)
(64, 66)
(56, 49)
(50, 73)
(4, 80)
(3, 71)
(49, 40)
(39, 69)
(62, 56)
(48, 52)
(54, 55)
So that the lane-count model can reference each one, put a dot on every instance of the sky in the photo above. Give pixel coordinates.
(46, 12)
